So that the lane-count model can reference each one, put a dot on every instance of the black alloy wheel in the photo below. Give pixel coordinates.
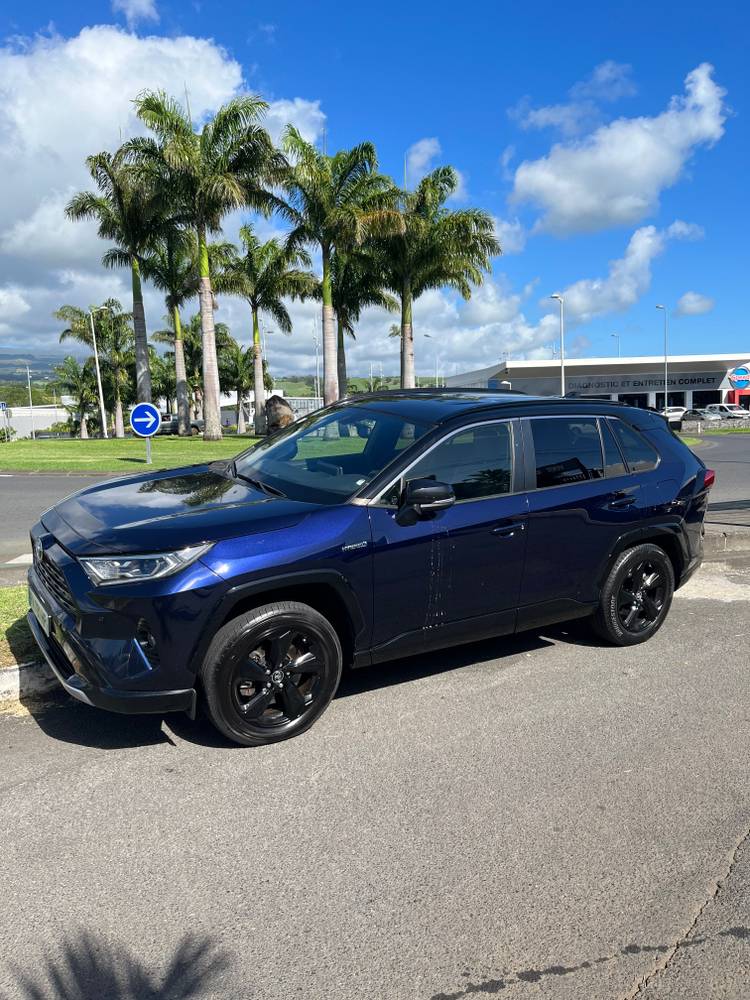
(271, 672)
(635, 596)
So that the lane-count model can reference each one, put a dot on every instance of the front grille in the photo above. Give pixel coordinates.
(54, 580)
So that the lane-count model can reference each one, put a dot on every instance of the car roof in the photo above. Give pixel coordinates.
(437, 406)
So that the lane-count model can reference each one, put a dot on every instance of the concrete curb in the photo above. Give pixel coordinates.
(26, 680)
(719, 540)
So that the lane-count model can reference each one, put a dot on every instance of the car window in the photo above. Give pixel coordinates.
(568, 450)
(613, 463)
(639, 454)
(329, 455)
(476, 462)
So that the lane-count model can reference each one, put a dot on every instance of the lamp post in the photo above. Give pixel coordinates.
(562, 341)
(102, 413)
(316, 342)
(428, 336)
(31, 403)
(666, 365)
(617, 338)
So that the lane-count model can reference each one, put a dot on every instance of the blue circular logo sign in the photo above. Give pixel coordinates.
(740, 377)
(145, 420)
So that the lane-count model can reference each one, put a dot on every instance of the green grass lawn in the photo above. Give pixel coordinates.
(744, 428)
(124, 455)
(16, 642)
(691, 442)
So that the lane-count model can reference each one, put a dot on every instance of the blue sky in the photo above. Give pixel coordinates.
(610, 142)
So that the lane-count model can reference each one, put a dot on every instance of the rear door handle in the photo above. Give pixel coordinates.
(620, 500)
(507, 530)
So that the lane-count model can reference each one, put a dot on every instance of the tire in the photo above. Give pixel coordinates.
(253, 694)
(636, 596)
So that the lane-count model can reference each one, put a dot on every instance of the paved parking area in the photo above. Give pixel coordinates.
(535, 817)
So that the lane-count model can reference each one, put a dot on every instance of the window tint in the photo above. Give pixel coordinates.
(613, 463)
(568, 450)
(638, 453)
(476, 462)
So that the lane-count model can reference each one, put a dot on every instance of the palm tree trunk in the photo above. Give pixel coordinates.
(84, 431)
(241, 428)
(211, 391)
(142, 369)
(183, 408)
(341, 358)
(407, 339)
(119, 422)
(259, 388)
(330, 376)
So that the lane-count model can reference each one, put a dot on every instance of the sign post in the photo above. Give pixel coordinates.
(145, 421)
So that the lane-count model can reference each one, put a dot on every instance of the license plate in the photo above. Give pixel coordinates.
(40, 612)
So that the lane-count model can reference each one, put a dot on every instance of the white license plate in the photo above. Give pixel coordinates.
(40, 612)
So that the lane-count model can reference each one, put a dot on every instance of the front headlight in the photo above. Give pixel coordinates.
(125, 569)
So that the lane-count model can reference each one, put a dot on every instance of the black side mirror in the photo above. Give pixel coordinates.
(424, 496)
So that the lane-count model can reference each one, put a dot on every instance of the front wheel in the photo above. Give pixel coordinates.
(269, 674)
(636, 596)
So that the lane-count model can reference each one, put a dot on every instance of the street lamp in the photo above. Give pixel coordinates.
(562, 341)
(666, 369)
(316, 342)
(617, 338)
(428, 336)
(102, 414)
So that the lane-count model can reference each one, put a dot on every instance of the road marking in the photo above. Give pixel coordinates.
(24, 560)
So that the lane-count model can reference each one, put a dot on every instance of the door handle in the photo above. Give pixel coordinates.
(507, 530)
(620, 500)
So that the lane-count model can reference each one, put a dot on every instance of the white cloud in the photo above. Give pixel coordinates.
(511, 234)
(609, 82)
(615, 175)
(306, 115)
(629, 276)
(420, 159)
(136, 10)
(693, 304)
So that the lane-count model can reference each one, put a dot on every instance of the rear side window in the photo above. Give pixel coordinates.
(639, 454)
(613, 463)
(568, 450)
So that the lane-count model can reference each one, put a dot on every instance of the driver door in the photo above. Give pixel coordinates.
(452, 575)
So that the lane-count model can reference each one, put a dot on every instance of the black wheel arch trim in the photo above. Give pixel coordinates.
(274, 587)
(643, 535)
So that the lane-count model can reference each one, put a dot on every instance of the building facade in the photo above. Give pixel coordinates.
(694, 380)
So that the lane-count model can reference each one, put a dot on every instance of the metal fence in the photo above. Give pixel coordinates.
(304, 405)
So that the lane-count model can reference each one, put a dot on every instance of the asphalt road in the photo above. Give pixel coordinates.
(534, 817)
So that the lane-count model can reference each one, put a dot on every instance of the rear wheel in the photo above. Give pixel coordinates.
(269, 674)
(636, 596)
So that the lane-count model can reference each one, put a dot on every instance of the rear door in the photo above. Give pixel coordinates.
(459, 570)
(582, 499)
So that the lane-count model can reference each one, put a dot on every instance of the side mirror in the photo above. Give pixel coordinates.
(423, 496)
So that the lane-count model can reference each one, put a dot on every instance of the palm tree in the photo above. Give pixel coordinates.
(172, 266)
(435, 247)
(115, 343)
(334, 202)
(205, 175)
(264, 275)
(236, 374)
(77, 381)
(192, 341)
(357, 280)
(131, 213)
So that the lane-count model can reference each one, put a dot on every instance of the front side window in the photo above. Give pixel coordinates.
(568, 450)
(330, 455)
(639, 454)
(477, 462)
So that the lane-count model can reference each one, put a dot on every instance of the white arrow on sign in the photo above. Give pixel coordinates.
(149, 420)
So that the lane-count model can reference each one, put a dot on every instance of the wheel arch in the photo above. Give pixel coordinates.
(665, 536)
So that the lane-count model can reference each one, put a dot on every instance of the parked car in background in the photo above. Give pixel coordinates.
(729, 411)
(674, 414)
(382, 526)
(701, 415)
(169, 425)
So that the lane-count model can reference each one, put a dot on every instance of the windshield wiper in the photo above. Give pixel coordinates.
(257, 483)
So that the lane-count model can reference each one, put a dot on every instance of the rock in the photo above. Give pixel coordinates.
(278, 413)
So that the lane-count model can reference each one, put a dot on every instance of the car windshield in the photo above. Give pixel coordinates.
(330, 455)
(733, 406)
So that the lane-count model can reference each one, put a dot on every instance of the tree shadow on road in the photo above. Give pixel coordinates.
(89, 968)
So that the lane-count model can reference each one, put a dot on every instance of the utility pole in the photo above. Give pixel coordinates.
(31, 403)
(666, 363)
(102, 413)
(562, 340)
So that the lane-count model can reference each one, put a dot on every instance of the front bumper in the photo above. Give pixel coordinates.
(126, 702)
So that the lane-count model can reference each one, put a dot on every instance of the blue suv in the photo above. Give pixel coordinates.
(379, 527)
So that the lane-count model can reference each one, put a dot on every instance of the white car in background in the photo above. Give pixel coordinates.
(674, 414)
(729, 411)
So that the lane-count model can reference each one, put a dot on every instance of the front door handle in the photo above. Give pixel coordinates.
(620, 500)
(507, 530)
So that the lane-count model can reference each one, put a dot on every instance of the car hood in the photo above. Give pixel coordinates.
(166, 510)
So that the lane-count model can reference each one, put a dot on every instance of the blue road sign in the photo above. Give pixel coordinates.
(3, 406)
(145, 420)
